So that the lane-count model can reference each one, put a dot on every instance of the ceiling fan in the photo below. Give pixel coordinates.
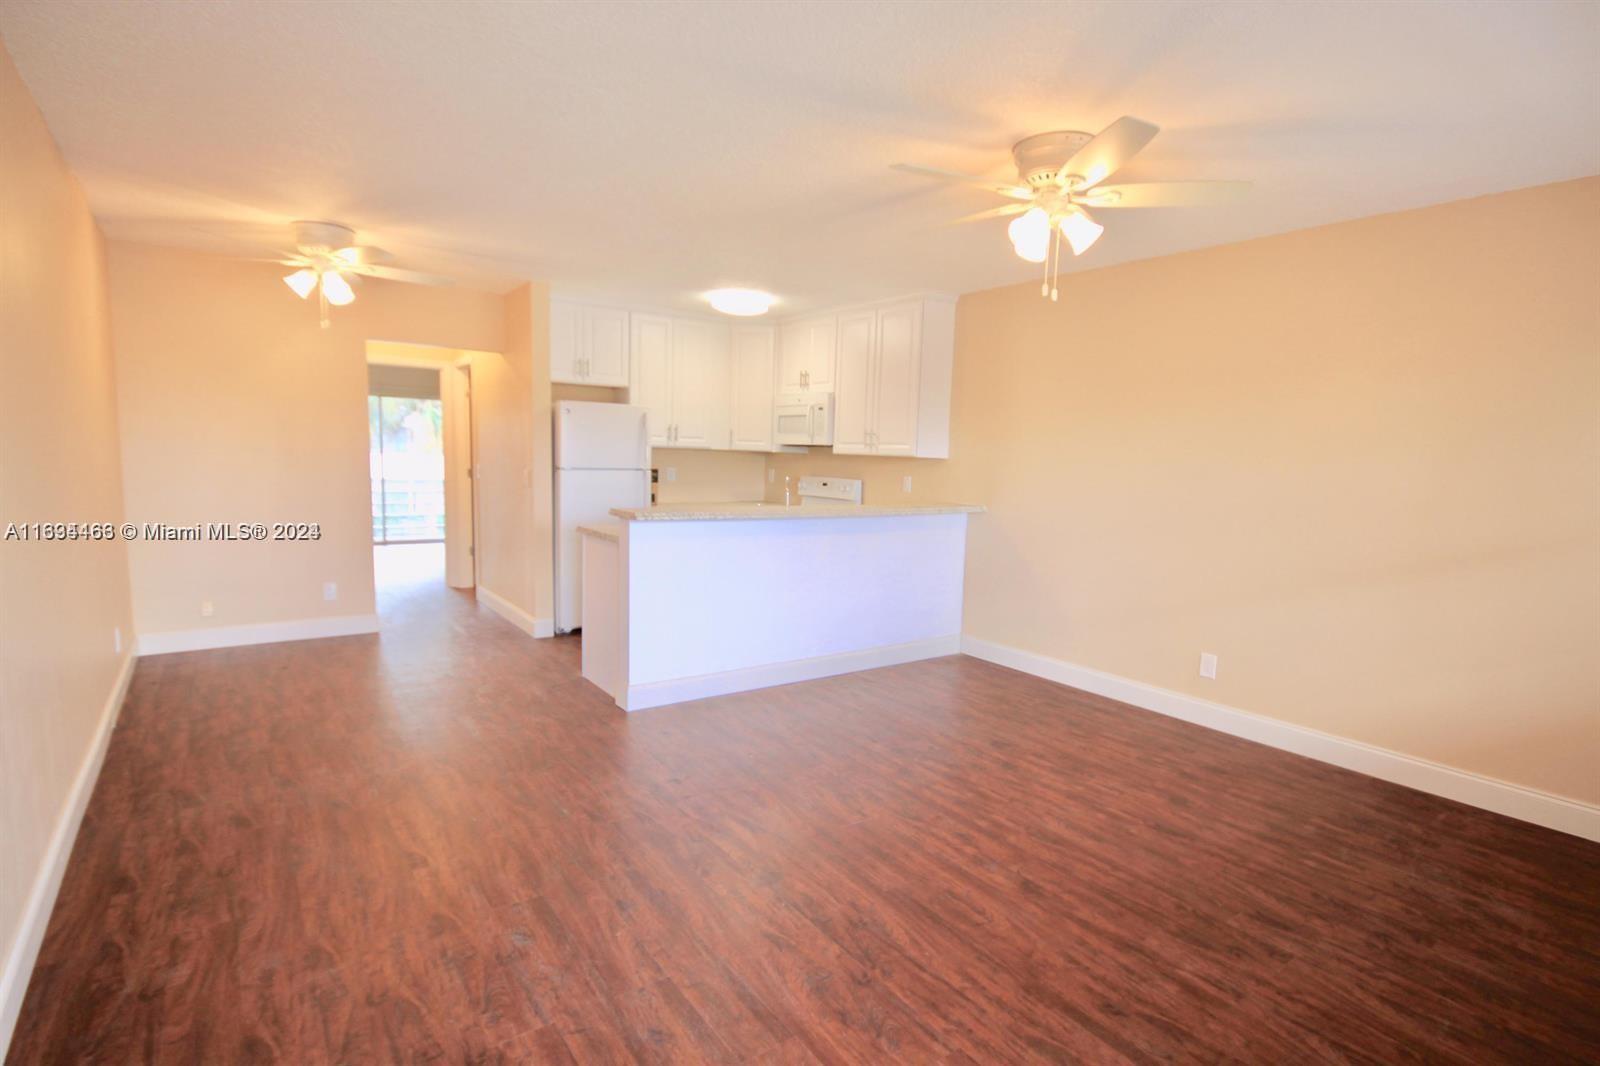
(1058, 179)
(328, 259)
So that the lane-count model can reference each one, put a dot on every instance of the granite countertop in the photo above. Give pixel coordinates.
(604, 530)
(713, 512)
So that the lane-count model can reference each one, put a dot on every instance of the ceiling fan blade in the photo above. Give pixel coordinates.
(415, 277)
(1165, 194)
(1107, 151)
(364, 255)
(993, 212)
(1016, 192)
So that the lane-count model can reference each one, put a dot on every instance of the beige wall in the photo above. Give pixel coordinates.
(511, 412)
(1359, 463)
(702, 475)
(59, 602)
(236, 406)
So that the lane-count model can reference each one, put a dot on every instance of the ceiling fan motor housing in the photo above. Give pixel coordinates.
(323, 238)
(1040, 157)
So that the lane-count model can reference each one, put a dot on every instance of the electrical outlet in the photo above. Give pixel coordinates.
(1208, 665)
(330, 590)
(905, 483)
(669, 473)
(116, 639)
(772, 474)
(206, 610)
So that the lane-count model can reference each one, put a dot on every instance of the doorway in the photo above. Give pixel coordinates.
(419, 460)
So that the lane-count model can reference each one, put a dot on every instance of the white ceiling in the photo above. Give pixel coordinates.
(649, 151)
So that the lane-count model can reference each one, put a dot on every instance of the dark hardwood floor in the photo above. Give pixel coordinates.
(441, 844)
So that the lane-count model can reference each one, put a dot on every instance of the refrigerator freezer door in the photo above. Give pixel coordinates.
(600, 436)
(585, 497)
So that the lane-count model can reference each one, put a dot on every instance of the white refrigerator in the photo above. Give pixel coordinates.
(602, 460)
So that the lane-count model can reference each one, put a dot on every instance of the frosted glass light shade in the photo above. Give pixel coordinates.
(302, 282)
(336, 289)
(1080, 230)
(744, 303)
(1030, 235)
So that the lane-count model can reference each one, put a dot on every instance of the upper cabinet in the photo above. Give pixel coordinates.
(752, 375)
(892, 395)
(717, 385)
(806, 351)
(680, 376)
(651, 387)
(588, 345)
(699, 384)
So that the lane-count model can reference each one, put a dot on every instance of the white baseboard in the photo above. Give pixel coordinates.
(343, 625)
(534, 627)
(47, 882)
(677, 690)
(1502, 797)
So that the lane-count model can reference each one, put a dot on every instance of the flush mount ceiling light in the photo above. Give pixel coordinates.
(1059, 174)
(745, 303)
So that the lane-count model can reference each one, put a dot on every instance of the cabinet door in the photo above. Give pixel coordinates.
(564, 342)
(699, 384)
(605, 348)
(852, 398)
(893, 419)
(794, 356)
(821, 355)
(650, 378)
(753, 375)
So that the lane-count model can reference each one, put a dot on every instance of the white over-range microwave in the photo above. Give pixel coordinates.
(804, 420)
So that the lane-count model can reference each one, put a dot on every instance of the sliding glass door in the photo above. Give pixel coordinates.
(407, 465)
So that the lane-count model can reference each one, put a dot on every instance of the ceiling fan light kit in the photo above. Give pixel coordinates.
(1059, 174)
(328, 258)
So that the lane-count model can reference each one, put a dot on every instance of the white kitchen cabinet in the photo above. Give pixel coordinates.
(651, 373)
(588, 345)
(892, 395)
(699, 385)
(806, 352)
(606, 355)
(680, 377)
(853, 396)
(752, 376)
(563, 341)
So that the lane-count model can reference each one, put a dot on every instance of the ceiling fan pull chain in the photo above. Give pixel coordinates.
(1044, 286)
(322, 302)
(1055, 272)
